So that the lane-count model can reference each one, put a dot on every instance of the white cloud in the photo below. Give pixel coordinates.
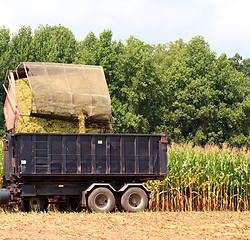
(223, 23)
(230, 31)
(234, 19)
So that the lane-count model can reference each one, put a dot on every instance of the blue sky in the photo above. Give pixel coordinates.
(225, 24)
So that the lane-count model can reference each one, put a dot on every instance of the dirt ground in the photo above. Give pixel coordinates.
(145, 225)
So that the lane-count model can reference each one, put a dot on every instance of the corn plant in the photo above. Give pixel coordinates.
(203, 179)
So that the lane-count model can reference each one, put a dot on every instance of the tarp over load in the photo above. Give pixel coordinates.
(58, 91)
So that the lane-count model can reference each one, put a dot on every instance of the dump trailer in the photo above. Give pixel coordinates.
(56, 91)
(72, 171)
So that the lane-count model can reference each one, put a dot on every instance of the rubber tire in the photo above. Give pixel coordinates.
(138, 193)
(36, 204)
(107, 195)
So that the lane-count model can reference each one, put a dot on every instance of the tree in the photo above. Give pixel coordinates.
(241, 65)
(246, 67)
(180, 87)
(4, 39)
(236, 62)
(85, 51)
(139, 89)
(4, 48)
(4, 63)
(54, 44)
(165, 54)
(204, 95)
(21, 46)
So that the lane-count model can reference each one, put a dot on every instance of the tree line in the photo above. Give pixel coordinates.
(182, 88)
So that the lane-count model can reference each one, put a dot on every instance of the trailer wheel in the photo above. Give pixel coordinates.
(101, 200)
(36, 204)
(134, 200)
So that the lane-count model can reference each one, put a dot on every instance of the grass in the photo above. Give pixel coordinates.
(144, 225)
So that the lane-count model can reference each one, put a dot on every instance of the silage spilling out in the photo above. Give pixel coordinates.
(30, 124)
(203, 179)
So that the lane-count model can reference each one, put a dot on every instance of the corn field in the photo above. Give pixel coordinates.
(203, 179)
(200, 179)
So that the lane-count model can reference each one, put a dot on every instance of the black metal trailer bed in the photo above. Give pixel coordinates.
(73, 167)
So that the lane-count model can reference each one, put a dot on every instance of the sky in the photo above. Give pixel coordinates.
(225, 24)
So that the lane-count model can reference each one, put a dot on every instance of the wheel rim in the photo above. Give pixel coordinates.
(35, 204)
(101, 200)
(134, 200)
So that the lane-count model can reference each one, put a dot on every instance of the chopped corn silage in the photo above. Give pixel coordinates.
(81, 118)
(41, 125)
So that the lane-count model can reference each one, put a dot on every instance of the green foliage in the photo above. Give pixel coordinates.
(53, 44)
(241, 65)
(207, 97)
(21, 46)
(4, 49)
(85, 53)
(4, 39)
(180, 87)
(139, 94)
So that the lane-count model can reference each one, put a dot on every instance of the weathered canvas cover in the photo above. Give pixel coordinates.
(59, 89)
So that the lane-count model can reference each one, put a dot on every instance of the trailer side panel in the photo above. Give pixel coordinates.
(89, 154)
